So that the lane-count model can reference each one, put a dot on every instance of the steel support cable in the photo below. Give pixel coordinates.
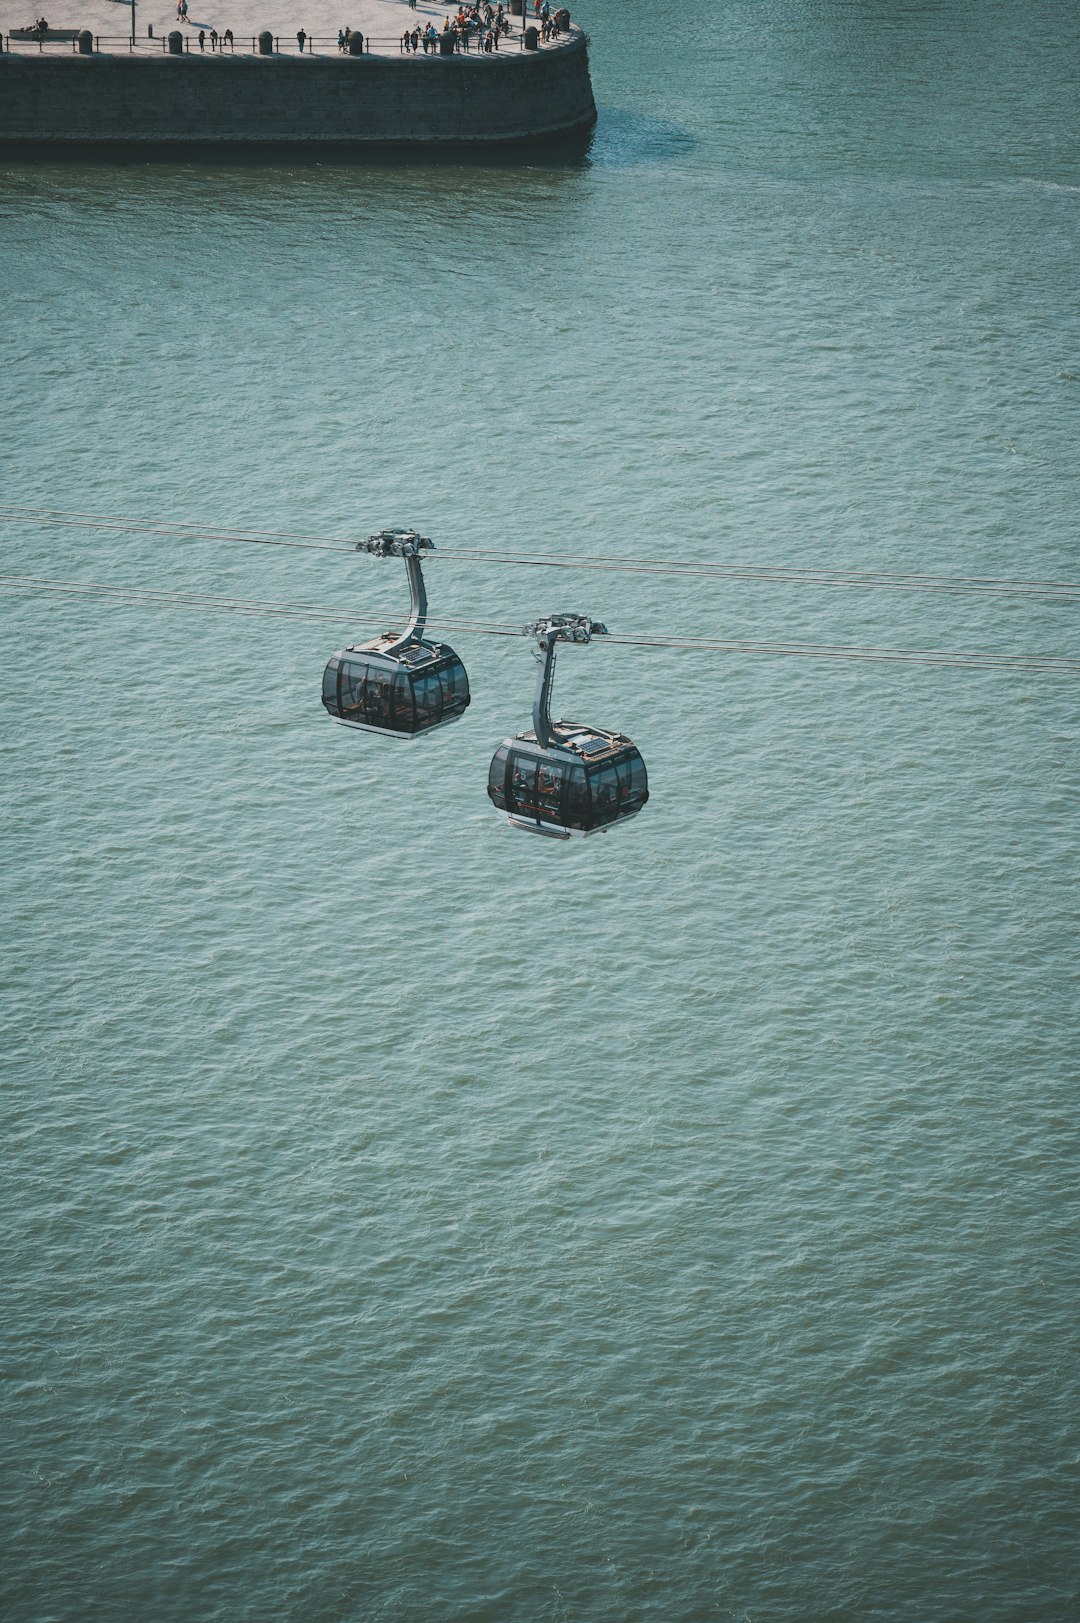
(983, 585)
(161, 597)
(1059, 664)
(178, 529)
(1064, 663)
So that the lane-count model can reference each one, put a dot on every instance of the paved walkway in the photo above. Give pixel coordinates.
(381, 22)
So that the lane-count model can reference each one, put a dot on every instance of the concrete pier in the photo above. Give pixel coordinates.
(154, 94)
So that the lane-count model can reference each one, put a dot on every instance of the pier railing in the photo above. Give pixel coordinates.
(67, 43)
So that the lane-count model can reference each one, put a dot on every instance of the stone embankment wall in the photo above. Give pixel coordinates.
(251, 100)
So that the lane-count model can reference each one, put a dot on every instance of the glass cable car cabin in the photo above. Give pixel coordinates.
(400, 684)
(564, 779)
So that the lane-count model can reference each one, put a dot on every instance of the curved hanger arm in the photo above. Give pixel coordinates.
(414, 631)
(545, 735)
(408, 545)
(549, 633)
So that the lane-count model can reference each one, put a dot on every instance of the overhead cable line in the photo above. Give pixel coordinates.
(187, 532)
(865, 580)
(981, 585)
(156, 596)
(1047, 664)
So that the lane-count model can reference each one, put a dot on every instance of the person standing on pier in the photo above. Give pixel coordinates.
(300, 38)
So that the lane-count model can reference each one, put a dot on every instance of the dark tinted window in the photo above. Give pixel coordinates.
(604, 782)
(577, 799)
(550, 779)
(455, 684)
(497, 777)
(353, 689)
(522, 795)
(377, 698)
(632, 781)
(329, 685)
(404, 709)
(427, 691)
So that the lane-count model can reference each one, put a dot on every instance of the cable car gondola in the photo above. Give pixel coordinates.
(400, 684)
(565, 779)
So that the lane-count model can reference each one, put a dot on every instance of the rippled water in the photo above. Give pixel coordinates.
(406, 1219)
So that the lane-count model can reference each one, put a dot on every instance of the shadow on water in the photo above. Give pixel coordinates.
(619, 140)
(571, 152)
(625, 140)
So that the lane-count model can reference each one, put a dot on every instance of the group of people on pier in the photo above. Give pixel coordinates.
(484, 23)
(218, 42)
(551, 22)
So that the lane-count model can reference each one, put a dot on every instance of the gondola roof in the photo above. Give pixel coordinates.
(590, 743)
